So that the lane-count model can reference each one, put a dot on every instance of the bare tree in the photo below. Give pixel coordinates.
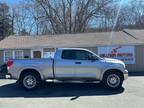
(73, 16)
(70, 16)
(137, 8)
(23, 18)
(5, 22)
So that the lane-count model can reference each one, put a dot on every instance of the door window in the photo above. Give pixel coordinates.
(82, 55)
(76, 55)
(68, 54)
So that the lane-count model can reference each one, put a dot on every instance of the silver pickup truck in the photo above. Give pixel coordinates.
(69, 64)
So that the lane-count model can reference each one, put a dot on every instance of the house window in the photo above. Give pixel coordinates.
(48, 54)
(19, 54)
(8, 54)
(13, 54)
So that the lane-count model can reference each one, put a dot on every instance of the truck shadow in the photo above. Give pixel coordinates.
(132, 74)
(74, 90)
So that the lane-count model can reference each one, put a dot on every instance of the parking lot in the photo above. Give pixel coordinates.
(73, 95)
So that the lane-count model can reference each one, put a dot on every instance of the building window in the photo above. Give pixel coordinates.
(48, 54)
(13, 54)
(19, 54)
(8, 54)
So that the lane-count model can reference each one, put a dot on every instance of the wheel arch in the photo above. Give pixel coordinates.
(30, 70)
(110, 70)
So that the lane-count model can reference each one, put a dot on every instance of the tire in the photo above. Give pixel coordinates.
(30, 81)
(112, 80)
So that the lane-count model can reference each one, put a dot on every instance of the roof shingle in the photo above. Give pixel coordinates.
(68, 40)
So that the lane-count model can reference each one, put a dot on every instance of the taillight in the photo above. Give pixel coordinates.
(9, 63)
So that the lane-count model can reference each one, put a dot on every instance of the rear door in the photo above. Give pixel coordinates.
(65, 65)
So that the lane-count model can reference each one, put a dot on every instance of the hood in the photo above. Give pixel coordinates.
(115, 62)
(110, 60)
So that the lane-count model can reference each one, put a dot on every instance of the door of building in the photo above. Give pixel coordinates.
(37, 53)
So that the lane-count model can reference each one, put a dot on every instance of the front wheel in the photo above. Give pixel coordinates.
(30, 81)
(112, 80)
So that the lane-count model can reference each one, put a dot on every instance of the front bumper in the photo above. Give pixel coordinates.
(125, 74)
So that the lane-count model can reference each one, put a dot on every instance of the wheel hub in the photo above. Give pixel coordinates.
(113, 80)
(29, 81)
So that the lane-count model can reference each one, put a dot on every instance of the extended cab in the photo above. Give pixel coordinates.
(69, 64)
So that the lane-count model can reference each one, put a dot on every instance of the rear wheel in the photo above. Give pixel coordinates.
(30, 81)
(112, 80)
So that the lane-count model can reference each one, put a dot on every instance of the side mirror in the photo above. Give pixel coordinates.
(92, 58)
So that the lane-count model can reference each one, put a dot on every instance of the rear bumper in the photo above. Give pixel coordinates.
(125, 74)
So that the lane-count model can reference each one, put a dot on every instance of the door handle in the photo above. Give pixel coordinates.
(77, 62)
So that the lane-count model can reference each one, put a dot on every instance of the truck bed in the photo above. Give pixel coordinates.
(41, 65)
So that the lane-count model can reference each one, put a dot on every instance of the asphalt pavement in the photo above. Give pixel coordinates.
(73, 95)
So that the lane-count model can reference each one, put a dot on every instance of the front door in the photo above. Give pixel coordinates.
(84, 66)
